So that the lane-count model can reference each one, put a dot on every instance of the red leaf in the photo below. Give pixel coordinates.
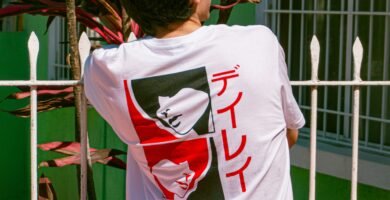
(12, 10)
(59, 9)
(72, 148)
(135, 28)
(87, 19)
(228, 4)
(225, 7)
(46, 87)
(45, 105)
(61, 162)
(103, 156)
(113, 162)
(105, 153)
(69, 148)
(51, 3)
(40, 92)
(46, 189)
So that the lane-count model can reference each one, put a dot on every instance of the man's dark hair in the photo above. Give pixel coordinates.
(150, 14)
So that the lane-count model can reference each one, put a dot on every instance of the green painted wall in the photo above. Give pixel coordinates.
(38, 25)
(58, 126)
(243, 14)
(329, 187)
(14, 170)
(14, 142)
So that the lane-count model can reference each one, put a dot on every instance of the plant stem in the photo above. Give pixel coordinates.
(76, 73)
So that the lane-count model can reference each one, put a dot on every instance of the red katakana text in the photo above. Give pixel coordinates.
(224, 76)
(231, 109)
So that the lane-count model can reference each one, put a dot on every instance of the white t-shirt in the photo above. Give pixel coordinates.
(204, 115)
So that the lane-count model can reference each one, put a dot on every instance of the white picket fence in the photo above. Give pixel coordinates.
(314, 83)
(33, 83)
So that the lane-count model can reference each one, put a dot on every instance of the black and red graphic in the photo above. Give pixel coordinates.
(178, 167)
(164, 109)
(169, 107)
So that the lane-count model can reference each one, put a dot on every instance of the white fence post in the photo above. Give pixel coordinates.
(33, 49)
(358, 56)
(315, 58)
(84, 48)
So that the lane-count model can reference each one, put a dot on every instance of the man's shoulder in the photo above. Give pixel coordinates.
(99, 61)
(253, 34)
(107, 54)
(104, 52)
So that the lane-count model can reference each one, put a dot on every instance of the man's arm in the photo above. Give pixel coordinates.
(292, 114)
(292, 137)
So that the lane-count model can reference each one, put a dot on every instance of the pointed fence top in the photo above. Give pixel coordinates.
(357, 57)
(132, 37)
(315, 57)
(84, 49)
(33, 41)
(33, 49)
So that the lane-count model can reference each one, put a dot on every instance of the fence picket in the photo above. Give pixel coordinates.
(358, 56)
(33, 49)
(315, 59)
(84, 48)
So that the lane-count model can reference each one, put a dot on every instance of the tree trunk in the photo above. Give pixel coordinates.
(76, 73)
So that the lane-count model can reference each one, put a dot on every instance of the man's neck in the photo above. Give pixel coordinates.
(179, 28)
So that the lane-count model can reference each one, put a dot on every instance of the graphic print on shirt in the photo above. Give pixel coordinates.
(178, 167)
(169, 107)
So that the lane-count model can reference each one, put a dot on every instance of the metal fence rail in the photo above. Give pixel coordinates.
(356, 83)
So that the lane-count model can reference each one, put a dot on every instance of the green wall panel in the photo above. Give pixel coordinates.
(15, 145)
(243, 14)
(38, 25)
(109, 181)
(58, 125)
(14, 168)
(329, 187)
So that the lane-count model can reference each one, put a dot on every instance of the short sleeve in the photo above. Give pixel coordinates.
(95, 89)
(292, 114)
(104, 89)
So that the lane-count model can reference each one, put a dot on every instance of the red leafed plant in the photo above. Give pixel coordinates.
(72, 150)
(108, 18)
(105, 17)
(49, 98)
(73, 157)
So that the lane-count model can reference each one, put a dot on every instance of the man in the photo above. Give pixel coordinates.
(205, 110)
